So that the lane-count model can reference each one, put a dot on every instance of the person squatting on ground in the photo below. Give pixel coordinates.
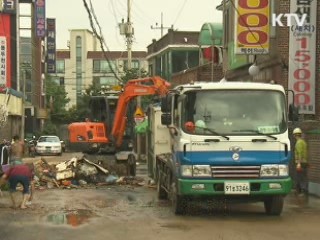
(301, 161)
(22, 174)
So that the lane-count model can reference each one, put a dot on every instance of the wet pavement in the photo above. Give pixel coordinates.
(73, 218)
(134, 212)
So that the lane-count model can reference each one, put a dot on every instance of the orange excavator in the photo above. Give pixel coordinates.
(134, 88)
(91, 136)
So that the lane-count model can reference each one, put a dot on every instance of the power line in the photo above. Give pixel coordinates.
(100, 38)
(161, 26)
(180, 11)
(116, 20)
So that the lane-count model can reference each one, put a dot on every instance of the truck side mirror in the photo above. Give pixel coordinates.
(166, 103)
(293, 113)
(165, 118)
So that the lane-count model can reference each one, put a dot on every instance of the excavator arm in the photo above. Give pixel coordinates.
(133, 88)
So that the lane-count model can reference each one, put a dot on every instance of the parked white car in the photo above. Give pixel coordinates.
(49, 145)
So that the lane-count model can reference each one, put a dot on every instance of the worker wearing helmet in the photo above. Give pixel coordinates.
(200, 126)
(301, 161)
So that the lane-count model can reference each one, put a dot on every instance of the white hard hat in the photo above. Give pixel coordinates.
(297, 131)
(200, 124)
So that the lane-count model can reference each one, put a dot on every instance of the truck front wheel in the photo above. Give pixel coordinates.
(274, 205)
(179, 203)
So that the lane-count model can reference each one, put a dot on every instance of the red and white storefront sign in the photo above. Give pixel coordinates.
(3, 62)
(302, 56)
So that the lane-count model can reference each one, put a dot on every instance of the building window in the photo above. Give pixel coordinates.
(78, 41)
(96, 66)
(58, 80)
(103, 66)
(78, 66)
(60, 66)
(134, 64)
(108, 81)
(78, 49)
(104, 81)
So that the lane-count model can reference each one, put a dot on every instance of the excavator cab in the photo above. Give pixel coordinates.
(88, 137)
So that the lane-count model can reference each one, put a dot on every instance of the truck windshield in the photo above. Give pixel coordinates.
(234, 112)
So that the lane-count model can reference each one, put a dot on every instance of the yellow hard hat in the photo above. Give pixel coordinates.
(297, 131)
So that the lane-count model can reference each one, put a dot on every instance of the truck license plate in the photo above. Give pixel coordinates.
(236, 188)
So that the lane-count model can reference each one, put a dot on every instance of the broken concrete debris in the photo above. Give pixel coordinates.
(78, 172)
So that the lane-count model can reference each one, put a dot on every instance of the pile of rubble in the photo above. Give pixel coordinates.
(78, 172)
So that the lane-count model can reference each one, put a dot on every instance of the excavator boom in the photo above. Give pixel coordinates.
(133, 88)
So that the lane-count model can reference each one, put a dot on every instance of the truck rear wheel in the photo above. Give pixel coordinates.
(274, 205)
(179, 203)
(162, 193)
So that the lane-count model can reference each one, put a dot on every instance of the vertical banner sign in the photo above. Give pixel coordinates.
(302, 52)
(5, 51)
(51, 45)
(252, 26)
(40, 18)
(3, 62)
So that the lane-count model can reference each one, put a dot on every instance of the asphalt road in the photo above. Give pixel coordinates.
(133, 212)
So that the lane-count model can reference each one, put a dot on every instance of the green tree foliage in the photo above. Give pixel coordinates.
(49, 129)
(81, 111)
(133, 73)
(56, 99)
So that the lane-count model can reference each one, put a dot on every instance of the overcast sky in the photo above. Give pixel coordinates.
(182, 14)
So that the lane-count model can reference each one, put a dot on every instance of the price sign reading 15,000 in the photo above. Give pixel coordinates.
(302, 74)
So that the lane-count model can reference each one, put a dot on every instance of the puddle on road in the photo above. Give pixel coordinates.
(73, 218)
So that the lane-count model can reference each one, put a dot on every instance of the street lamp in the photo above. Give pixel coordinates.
(254, 70)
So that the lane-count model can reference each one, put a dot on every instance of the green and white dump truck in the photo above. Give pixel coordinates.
(221, 140)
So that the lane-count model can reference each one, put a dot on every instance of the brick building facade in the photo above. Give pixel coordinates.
(309, 123)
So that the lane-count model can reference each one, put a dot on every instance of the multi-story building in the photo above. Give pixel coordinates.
(22, 66)
(174, 52)
(85, 64)
(183, 56)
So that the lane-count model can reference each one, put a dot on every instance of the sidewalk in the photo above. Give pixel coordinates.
(308, 201)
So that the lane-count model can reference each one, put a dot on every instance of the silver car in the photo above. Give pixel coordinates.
(49, 145)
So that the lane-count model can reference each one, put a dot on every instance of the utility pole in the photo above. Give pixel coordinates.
(129, 35)
(23, 117)
(127, 30)
(161, 26)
